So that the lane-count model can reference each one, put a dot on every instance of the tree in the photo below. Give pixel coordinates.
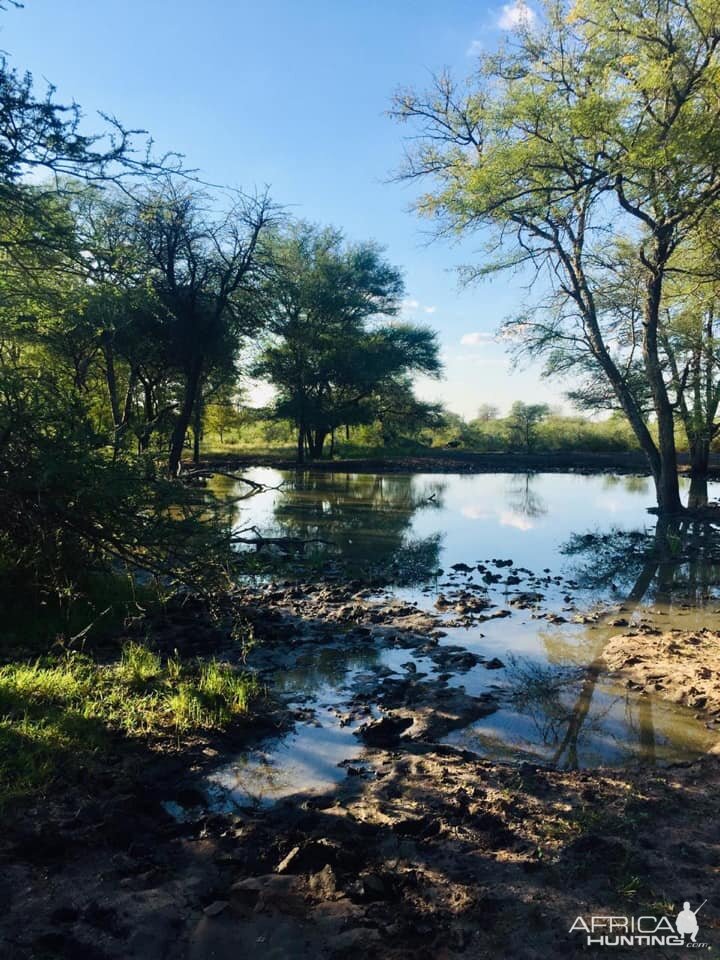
(487, 412)
(66, 506)
(202, 270)
(689, 339)
(523, 422)
(603, 121)
(330, 357)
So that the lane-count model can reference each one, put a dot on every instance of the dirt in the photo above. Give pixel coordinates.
(424, 851)
(682, 666)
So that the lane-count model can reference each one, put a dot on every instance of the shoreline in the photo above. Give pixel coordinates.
(445, 461)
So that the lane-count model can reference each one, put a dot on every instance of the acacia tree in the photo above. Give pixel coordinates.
(202, 270)
(604, 119)
(329, 353)
(523, 421)
(690, 339)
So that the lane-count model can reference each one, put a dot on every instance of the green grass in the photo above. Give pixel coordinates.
(58, 714)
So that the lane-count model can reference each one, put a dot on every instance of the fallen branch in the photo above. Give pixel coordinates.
(290, 544)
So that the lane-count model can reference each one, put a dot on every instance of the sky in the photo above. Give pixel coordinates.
(294, 95)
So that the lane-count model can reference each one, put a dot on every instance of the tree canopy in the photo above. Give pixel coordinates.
(600, 123)
(336, 352)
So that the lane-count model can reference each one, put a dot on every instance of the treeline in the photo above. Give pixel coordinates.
(133, 300)
(526, 428)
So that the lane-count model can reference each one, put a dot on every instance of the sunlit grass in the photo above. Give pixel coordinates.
(58, 712)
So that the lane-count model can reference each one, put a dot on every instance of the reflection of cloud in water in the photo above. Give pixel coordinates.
(304, 762)
(476, 513)
(607, 504)
(506, 518)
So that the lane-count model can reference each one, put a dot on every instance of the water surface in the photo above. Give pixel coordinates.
(582, 542)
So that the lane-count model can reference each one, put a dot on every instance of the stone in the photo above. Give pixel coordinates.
(215, 908)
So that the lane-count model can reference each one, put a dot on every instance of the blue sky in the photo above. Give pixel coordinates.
(293, 95)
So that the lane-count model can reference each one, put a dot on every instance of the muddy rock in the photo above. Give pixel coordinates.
(384, 732)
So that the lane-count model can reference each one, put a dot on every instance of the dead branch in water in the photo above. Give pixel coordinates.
(259, 541)
(190, 476)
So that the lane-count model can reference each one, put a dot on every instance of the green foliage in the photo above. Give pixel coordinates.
(595, 129)
(332, 355)
(58, 712)
(523, 423)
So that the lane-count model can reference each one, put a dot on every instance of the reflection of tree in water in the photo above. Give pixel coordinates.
(677, 560)
(325, 667)
(575, 720)
(558, 700)
(521, 498)
(629, 483)
(367, 518)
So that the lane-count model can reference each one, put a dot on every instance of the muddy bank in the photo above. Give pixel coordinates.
(423, 851)
(682, 666)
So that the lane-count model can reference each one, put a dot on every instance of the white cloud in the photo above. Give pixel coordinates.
(516, 15)
(475, 49)
(476, 338)
(410, 307)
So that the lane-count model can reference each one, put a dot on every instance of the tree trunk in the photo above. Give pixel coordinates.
(301, 444)
(666, 480)
(332, 443)
(317, 442)
(111, 379)
(197, 425)
(177, 440)
(149, 411)
(699, 456)
(698, 495)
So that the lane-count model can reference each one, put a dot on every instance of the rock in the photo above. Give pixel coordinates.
(494, 664)
(384, 732)
(247, 892)
(215, 908)
(351, 943)
(323, 884)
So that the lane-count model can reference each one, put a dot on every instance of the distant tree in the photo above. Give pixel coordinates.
(487, 412)
(400, 413)
(335, 354)
(523, 422)
(222, 411)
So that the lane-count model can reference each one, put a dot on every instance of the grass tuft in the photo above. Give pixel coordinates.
(57, 712)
